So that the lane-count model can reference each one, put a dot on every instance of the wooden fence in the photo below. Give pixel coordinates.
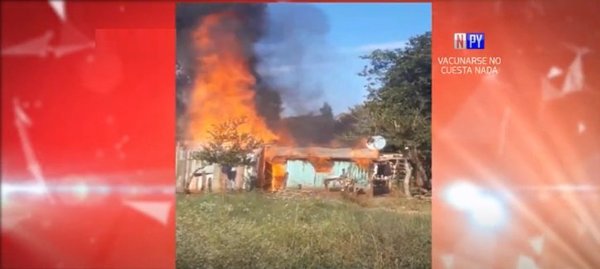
(205, 180)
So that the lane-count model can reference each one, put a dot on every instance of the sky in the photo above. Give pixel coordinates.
(355, 29)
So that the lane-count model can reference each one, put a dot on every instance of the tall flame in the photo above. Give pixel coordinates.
(224, 85)
(224, 89)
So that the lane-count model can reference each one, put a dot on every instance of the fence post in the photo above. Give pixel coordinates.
(217, 183)
(239, 177)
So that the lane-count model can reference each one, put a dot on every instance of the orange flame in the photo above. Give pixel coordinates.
(321, 165)
(225, 89)
(363, 163)
(278, 178)
(224, 85)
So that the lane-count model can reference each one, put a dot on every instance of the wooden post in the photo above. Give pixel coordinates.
(193, 184)
(187, 166)
(391, 177)
(262, 166)
(218, 182)
(239, 177)
(394, 172)
(407, 178)
(178, 177)
(370, 178)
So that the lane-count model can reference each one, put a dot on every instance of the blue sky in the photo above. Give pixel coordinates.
(354, 30)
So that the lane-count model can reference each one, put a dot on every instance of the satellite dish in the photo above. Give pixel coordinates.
(376, 142)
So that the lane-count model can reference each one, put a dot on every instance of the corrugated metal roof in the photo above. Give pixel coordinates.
(320, 152)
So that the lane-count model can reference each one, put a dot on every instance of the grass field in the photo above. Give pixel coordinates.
(254, 230)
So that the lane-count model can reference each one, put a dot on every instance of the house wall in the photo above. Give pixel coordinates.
(185, 166)
(303, 172)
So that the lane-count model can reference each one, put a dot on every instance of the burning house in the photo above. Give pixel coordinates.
(292, 167)
(276, 168)
(217, 48)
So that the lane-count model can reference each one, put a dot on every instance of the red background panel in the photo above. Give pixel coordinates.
(537, 153)
(102, 115)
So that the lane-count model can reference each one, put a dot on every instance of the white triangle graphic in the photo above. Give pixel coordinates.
(525, 262)
(537, 243)
(38, 46)
(554, 72)
(72, 40)
(59, 8)
(22, 122)
(156, 210)
(575, 78)
(448, 261)
(549, 92)
(20, 115)
(68, 49)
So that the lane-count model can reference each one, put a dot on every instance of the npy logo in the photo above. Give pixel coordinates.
(469, 41)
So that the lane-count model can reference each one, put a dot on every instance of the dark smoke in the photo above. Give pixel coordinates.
(283, 44)
(252, 21)
(291, 50)
(189, 16)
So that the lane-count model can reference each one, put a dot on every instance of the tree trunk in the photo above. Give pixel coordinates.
(217, 181)
(187, 170)
(420, 175)
(203, 183)
(239, 178)
(183, 179)
(186, 184)
(180, 177)
(407, 176)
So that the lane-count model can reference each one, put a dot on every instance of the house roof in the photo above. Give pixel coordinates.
(320, 152)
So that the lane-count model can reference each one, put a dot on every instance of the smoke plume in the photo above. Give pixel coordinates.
(249, 31)
(285, 47)
(293, 50)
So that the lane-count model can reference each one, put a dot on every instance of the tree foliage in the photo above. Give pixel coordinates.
(399, 100)
(228, 145)
(354, 125)
(398, 104)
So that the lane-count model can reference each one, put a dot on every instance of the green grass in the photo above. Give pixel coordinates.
(253, 230)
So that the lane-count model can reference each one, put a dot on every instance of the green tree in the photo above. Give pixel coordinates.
(228, 145)
(398, 105)
(352, 126)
